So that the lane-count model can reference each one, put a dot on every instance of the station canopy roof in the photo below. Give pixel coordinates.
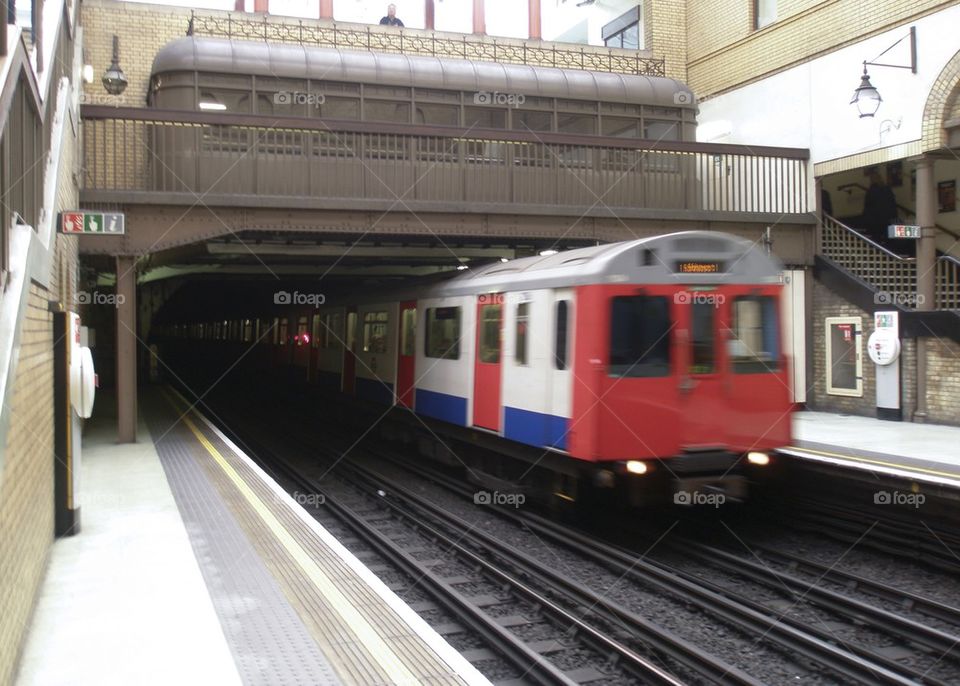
(294, 61)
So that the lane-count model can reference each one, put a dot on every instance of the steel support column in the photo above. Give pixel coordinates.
(126, 349)
(533, 12)
(926, 203)
(479, 17)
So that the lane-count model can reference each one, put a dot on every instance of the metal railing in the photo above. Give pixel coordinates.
(312, 162)
(894, 276)
(419, 42)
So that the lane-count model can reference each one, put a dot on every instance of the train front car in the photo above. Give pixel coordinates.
(680, 376)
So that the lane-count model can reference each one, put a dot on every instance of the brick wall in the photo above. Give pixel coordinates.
(724, 51)
(943, 368)
(665, 34)
(26, 485)
(26, 489)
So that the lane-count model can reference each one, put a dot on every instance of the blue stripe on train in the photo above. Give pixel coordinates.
(447, 408)
(374, 390)
(535, 428)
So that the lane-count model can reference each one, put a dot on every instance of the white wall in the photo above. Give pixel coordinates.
(808, 106)
(564, 21)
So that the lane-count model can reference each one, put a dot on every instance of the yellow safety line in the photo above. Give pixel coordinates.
(949, 475)
(371, 640)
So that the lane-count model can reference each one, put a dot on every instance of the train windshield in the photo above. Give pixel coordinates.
(754, 335)
(640, 336)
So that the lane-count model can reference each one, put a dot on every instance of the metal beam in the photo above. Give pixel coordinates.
(126, 349)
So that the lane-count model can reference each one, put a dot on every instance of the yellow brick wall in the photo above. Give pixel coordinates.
(725, 52)
(142, 29)
(26, 484)
(26, 490)
(665, 29)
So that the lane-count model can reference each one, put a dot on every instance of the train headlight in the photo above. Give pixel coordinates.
(759, 459)
(637, 467)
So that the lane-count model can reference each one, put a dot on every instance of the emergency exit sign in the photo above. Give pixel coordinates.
(92, 222)
(903, 231)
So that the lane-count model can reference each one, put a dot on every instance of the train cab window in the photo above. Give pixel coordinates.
(523, 323)
(408, 332)
(315, 331)
(284, 330)
(640, 336)
(375, 332)
(754, 339)
(490, 334)
(702, 343)
(560, 336)
(442, 337)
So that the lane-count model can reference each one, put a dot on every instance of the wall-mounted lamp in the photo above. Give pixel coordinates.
(866, 97)
(114, 79)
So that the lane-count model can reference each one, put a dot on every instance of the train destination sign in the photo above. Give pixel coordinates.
(110, 223)
(698, 267)
(903, 231)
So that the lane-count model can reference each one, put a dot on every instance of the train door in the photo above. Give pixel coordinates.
(560, 369)
(703, 383)
(486, 381)
(314, 364)
(406, 353)
(350, 351)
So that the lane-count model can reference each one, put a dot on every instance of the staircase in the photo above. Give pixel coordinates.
(892, 278)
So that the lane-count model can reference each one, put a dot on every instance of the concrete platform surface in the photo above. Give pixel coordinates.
(124, 601)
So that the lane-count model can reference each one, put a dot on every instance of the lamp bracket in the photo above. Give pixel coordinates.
(913, 54)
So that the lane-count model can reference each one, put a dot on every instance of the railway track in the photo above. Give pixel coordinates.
(850, 661)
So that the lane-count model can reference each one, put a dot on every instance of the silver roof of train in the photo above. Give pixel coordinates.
(643, 261)
(286, 60)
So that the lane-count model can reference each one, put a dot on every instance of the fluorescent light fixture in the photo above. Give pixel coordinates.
(461, 267)
(547, 253)
(215, 106)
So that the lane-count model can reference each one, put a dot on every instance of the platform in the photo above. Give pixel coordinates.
(922, 452)
(194, 567)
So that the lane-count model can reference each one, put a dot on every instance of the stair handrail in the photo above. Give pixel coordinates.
(839, 224)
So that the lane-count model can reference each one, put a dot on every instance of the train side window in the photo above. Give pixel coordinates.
(442, 337)
(560, 336)
(302, 324)
(284, 330)
(275, 331)
(640, 336)
(375, 332)
(754, 342)
(408, 332)
(247, 330)
(702, 348)
(332, 325)
(315, 331)
(523, 323)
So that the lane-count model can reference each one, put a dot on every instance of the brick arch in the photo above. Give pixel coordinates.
(944, 98)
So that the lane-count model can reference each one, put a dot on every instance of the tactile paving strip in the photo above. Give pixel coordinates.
(269, 642)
